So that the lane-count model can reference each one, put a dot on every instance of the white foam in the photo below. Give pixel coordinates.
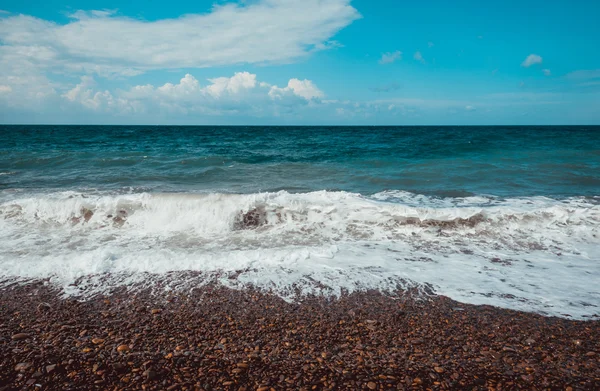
(534, 254)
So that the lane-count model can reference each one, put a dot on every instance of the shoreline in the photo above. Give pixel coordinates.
(215, 338)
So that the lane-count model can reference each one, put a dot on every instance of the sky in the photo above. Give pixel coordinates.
(300, 62)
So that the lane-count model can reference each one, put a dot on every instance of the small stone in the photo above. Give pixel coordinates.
(86, 350)
(83, 333)
(150, 374)
(242, 365)
(224, 341)
(123, 348)
(590, 354)
(44, 307)
(97, 341)
(227, 383)
(50, 368)
(237, 371)
(119, 367)
(19, 336)
(87, 214)
(156, 311)
(22, 366)
(371, 385)
(438, 369)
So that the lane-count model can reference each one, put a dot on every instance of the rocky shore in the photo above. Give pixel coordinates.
(214, 338)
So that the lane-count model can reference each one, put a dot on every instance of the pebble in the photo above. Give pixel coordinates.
(371, 385)
(20, 336)
(150, 375)
(123, 348)
(22, 367)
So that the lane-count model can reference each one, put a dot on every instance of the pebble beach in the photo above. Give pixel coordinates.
(216, 338)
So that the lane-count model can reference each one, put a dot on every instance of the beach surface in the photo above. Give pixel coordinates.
(216, 338)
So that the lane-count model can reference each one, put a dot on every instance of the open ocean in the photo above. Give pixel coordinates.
(507, 216)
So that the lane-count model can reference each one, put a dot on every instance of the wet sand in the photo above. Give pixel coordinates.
(214, 338)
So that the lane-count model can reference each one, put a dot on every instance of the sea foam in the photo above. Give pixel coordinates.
(532, 253)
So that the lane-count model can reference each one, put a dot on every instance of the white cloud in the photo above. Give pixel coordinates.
(188, 85)
(390, 57)
(84, 94)
(240, 81)
(264, 31)
(430, 44)
(81, 14)
(547, 72)
(470, 108)
(419, 57)
(532, 59)
(240, 94)
(5, 89)
(302, 88)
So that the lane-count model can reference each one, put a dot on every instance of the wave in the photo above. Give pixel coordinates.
(527, 253)
(334, 215)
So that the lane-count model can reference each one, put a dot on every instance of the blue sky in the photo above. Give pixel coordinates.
(300, 62)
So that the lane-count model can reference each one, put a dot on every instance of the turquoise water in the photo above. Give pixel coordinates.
(439, 161)
(507, 216)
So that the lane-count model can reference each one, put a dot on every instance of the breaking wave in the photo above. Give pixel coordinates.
(475, 249)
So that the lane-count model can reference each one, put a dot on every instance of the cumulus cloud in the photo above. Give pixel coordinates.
(264, 31)
(532, 59)
(419, 57)
(84, 94)
(547, 72)
(302, 88)
(390, 57)
(240, 94)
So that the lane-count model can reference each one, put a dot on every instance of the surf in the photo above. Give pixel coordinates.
(476, 249)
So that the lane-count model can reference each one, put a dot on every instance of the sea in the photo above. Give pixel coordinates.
(504, 216)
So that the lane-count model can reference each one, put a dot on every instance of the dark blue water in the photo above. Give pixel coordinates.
(440, 161)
